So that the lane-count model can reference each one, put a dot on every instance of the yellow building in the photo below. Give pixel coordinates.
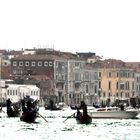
(116, 82)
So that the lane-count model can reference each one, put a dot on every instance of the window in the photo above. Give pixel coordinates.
(14, 71)
(109, 74)
(8, 92)
(117, 85)
(86, 76)
(133, 85)
(33, 63)
(133, 75)
(16, 92)
(99, 74)
(20, 63)
(31, 93)
(125, 94)
(27, 63)
(50, 63)
(128, 74)
(117, 74)
(95, 89)
(45, 63)
(121, 94)
(86, 88)
(109, 85)
(36, 93)
(99, 84)
(39, 63)
(14, 63)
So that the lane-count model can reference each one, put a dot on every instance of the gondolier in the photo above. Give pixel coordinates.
(29, 111)
(83, 118)
(84, 107)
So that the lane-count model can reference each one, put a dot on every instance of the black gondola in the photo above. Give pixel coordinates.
(52, 107)
(12, 111)
(29, 116)
(84, 119)
(29, 110)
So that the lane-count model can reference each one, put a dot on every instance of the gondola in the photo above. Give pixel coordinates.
(52, 108)
(83, 119)
(29, 116)
(12, 111)
(29, 110)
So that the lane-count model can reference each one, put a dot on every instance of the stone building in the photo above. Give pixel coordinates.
(116, 82)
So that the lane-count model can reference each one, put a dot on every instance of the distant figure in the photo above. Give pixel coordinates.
(122, 107)
(8, 102)
(51, 104)
(84, 107)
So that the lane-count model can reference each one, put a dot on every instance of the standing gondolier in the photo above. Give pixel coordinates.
(84, 107)
(8, 103)
(84, 118)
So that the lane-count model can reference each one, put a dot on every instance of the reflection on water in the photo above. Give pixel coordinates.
(56, 129)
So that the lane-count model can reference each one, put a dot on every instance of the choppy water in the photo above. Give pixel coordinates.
(57, 129)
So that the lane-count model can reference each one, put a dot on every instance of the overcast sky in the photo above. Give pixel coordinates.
(110, 28)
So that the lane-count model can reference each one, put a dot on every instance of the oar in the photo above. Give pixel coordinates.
(42, 117)
(69, 117)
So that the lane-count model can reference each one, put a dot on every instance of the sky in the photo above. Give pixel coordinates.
(109, 28)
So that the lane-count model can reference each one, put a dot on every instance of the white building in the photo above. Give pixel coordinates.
(17, 92)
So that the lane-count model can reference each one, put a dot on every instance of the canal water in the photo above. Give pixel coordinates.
(58, 128)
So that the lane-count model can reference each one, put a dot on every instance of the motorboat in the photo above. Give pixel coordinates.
(113, 112)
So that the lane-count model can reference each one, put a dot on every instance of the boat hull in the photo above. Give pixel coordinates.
(13, 113)
(29, 116)
(114, 114)
(84, 120)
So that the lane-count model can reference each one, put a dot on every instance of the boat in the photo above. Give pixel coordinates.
(82, 119)
(113, 113)
(29, 116)
(52, 106)
(12, 111)
(29, 110)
